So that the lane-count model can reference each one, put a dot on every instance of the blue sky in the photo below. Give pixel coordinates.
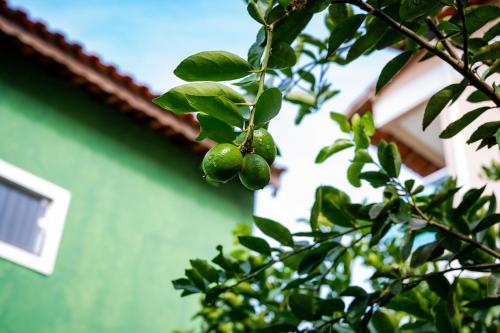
(147, 39)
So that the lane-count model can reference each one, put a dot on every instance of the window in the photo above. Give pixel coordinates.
(32, 215)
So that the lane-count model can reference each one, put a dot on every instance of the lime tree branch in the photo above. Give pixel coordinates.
(473, 268)
(262, 78)
(445, 228)
(282, 258)
(456, 64)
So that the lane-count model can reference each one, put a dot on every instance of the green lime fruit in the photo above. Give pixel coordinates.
(255, 173)
(222, 162)
(262, 143)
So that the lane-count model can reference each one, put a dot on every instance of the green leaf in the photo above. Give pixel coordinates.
(392, 68)
(439, 285)
(391, 160)
(288, 28)
(328, 306)
(488, 52)
(274, 230)
(342, 121)
(301, 97)
(285, 3)
(344, 32)
(212, 66)
(382, 322)
(492, 33)
(487, 222)
(186, 285)
(442, 319)
(303, 306)
(439, 101)
(175, 99)
(268, 106)
(477, 97)
(196, 279)
(215, 129)
(361, 139)
(484, 131)
(207, 271)
(476, 17)
(493, 287)
(255, 13)
(455, 127)
(411, 10)
(326, 152)
(316, 209)
(282, 56)
(353, 291)
(315, 257)
(256, 244)
(484, 303)
(376, 29)
(470, 197)
(218, 107)
(334, 206)
(375, 178)
(353, 173)
(376, 210)
(407, 245)
(425, 253)
(256, 51)
(368, 123)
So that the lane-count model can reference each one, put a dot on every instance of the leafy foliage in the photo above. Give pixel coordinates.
(420, 244)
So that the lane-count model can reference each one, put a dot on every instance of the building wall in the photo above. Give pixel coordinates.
(139, 210)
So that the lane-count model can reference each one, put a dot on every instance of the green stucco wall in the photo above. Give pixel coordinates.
(139, 210)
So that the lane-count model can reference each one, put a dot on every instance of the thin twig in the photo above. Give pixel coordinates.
(441, 38)
(473, 268)
(445, 228)
(465, 35)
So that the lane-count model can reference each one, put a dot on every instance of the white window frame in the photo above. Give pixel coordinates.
(52, 222)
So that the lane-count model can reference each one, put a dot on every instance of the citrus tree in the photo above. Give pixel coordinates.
(433, 252)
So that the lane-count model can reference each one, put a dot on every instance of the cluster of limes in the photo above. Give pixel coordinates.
(249, 161)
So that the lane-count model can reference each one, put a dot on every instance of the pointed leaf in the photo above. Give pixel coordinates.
(175, 99)
(207, 271)
(214, 129)
(326, 152)
(255, 13)
(344, 32)
(256, 244)
(486, 222)
(392, 68)
(391, 160)
(212, 66)
(353, 173)
(439, 101)
(455, 127)
(274, 230)
(342, 121)
(282, 56)
(268, 106)
(218, 107)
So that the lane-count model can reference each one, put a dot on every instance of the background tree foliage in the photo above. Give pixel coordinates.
(433, 252)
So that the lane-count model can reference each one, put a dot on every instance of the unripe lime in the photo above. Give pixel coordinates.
(262, 144)
(222, 162)
(255, 173)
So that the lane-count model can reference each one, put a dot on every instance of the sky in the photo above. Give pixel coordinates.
(147, 39)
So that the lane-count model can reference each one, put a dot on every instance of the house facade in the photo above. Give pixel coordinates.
(102, 201)
(398, 110)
